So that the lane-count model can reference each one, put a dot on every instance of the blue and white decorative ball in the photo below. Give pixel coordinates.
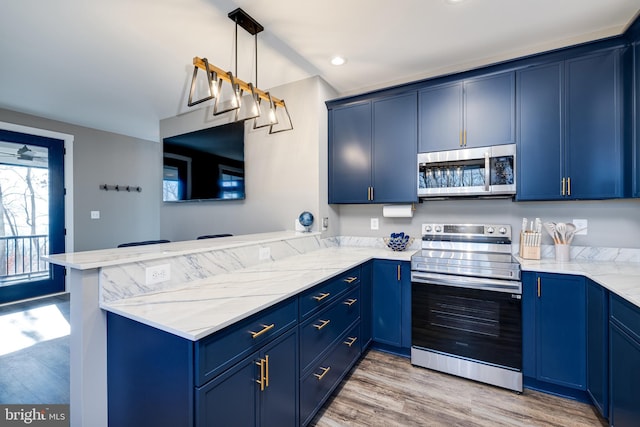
(306, 220)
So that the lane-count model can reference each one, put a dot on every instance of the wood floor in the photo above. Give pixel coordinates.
(386, 390)
(39, 373)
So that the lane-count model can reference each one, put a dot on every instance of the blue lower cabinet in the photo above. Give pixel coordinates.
(624, 367)
(554, 333)
(261, 390)
(391, 309)
(598, 346)
(317, 384)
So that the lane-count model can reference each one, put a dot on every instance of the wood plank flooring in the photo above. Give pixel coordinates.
(386, 390)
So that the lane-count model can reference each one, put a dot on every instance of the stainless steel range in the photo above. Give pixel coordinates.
(466, 307)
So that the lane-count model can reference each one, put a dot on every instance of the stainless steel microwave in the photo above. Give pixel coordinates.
(484, 171)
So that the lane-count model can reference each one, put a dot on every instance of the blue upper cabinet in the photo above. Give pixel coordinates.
(636, 120)
(350, 131)
(570, 128)
(594, 142)
(540, 154)
(372, 151)
(475, 112)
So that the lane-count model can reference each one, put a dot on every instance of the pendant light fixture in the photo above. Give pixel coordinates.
(273, 114)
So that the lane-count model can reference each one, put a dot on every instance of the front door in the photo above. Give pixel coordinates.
(31, 215)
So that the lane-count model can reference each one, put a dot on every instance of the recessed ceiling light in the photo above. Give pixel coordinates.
(453, 1)
(338, 60)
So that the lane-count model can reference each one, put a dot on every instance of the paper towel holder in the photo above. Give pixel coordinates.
(398, 211)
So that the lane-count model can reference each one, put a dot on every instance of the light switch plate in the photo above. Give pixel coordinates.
(375, 225)
(264, 254)
(581, 224)
(95, 214)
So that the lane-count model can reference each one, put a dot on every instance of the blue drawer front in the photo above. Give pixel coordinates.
(322, 295)
(325, 376)
(227, 347)
(626, 315)
(317, 334)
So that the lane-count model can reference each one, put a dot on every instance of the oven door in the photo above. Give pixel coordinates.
(472, 318)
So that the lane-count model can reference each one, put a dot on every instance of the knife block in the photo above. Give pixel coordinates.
(530, 245)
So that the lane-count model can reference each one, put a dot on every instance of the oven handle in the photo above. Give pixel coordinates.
(507, 286)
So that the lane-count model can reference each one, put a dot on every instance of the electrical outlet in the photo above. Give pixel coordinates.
(95, 214)
(158, 274)
(581, 224)
(375, 224)
(325, 223)
(264, 254)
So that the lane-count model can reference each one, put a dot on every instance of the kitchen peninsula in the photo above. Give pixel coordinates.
(216, 283)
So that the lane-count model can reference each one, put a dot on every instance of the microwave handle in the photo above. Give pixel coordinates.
(487, 171)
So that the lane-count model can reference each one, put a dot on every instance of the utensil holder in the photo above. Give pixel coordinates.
(562, 252)
(530, 244)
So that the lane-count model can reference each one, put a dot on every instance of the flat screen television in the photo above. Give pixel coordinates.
(206, 164)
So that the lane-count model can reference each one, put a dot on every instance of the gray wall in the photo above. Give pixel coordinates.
(612, 223)
(285, 173)
(106, 158)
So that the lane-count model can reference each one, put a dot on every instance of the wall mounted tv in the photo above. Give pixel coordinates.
(207, 164)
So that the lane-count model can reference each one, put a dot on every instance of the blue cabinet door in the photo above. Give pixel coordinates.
(391, 313)
(540, 155)
(625, 377)
(350, 132)
(395, 128)
(278, 402)
(594, 144)
(561, 330)
(387, 303)
(489, 110)
(636, 120)
(366, 294)
(598, 346)
(440, 118)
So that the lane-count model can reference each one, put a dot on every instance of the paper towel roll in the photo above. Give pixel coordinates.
(397, 211)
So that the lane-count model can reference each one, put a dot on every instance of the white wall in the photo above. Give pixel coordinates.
(285, 173)
(612, 223)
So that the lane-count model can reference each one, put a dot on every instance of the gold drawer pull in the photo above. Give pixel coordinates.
(322, 324)
(324, 372)
(262, 378)
(351, 342)
(321, 296)
(266, 369)
(265, 328)
(350, 280)
(350, 302)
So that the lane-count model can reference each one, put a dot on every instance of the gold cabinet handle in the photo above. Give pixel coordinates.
(398, 272)
(262, 378)
(368, 193)
(371, 194)
(569, 186)
(264, 329)
(324, 372)
(351, 341)
(321, 296)
(538, 287)
(350, 280)
(322, 324)
(350, 302)
(563, 184)
(266, 370)
(465, 138)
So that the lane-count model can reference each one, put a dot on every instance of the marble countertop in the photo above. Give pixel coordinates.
(621, 278)
(108, 257)
(205, 306)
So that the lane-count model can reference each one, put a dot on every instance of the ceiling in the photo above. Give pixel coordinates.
(122, 65)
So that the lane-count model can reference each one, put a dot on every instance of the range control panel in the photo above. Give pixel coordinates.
(468, 230)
